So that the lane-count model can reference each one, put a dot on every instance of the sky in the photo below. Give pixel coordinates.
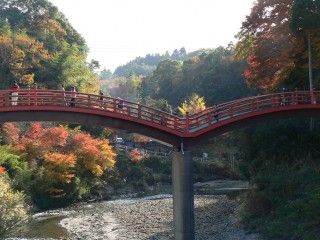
(117, 31)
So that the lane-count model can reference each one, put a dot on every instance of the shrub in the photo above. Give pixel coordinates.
(13, 206)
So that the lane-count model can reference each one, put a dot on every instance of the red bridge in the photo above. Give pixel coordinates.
(50, 105)
(183, 133)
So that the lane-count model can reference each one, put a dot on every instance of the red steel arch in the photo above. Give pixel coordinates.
(51, 105)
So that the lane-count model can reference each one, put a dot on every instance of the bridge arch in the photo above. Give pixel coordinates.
(252, 119)
(87, 118)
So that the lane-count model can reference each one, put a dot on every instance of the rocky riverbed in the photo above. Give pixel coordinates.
(151, 218)
(148, 218)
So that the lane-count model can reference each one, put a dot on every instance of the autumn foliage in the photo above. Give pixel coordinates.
(99, 152)
(135, 155)
(194, 105)
(273, 51)
(60, 154)
(2, 170)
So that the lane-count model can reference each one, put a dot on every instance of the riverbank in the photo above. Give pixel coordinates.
(151, 218)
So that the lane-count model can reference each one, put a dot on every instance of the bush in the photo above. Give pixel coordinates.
(13, 206)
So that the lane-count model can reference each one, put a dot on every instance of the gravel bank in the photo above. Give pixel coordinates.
(142, 219)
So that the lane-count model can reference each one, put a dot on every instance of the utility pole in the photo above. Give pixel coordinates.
(310, 78)
(310, 63)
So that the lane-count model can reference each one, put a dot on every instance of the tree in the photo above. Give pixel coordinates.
(165, 80)
(20, 57)
(41, 20)
(105, 74)
(37, 43)
(58, 160)
(99, 152)
(274, 47)
(13, 205)
(305, 21)
(68, 67)
(135, 155)
(194, 105)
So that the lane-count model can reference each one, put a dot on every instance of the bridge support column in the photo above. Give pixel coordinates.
(183, 196)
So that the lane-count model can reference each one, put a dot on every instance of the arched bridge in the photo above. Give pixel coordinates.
(183, 133)
(51, 105)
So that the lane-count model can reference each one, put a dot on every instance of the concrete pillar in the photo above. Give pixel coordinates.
(183, 197)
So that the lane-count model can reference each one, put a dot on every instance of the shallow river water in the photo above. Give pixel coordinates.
(42, 226)
(134, 219)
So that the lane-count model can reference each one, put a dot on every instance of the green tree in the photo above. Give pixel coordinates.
(305, 21)
(37, 43)
(105, 74)
(68, 67)
(164, 82)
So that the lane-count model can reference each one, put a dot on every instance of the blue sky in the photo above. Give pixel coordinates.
(117, 31)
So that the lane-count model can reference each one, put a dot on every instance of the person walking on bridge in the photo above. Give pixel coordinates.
(73, 96)
(63, 95)
(215, 113)
(102, 99)
(14, 93)
(120, 104)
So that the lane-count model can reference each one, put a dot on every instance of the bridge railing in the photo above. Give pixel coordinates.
(134, 111)
(228, 110)
(124, 109)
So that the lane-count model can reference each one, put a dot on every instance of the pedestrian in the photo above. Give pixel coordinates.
(120, 104)
(36, 98)
(63, 95)
(101, 98)
(73, 96)
(163, 120)
(215, 113)
(283, 97)
(313, 96)
(14, 93)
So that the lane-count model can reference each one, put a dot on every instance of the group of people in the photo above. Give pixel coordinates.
(120, 103)
(14, 91)
(72, 94)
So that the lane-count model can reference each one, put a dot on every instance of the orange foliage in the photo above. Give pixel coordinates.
(60, 166)
(2, 170)
(62, 160)
(135, 155)
(56, 136)
(99, 152)
(10, 133)
(35, 132)
(274, 50)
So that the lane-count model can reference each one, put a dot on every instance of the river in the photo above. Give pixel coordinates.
(140, 218)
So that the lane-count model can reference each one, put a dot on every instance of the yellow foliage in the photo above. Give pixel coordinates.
(59, 167)
(62, 160)
(52, 26)
(28, 78)
(13, 206)
(194, 105)
(21, 54)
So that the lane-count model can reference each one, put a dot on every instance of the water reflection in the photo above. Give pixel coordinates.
(44, 227)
